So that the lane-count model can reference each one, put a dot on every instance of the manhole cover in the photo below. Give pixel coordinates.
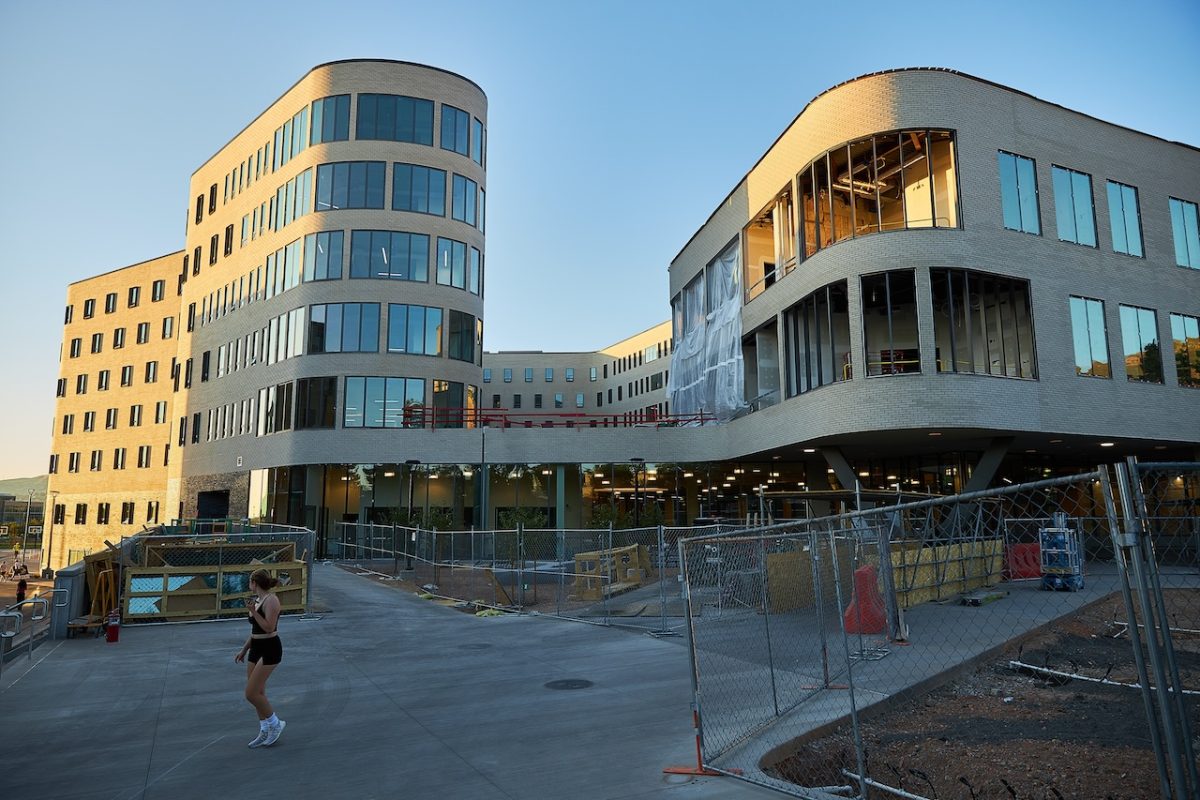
(569, 683)
(474, 646)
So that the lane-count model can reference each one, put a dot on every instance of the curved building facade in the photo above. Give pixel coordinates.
(333, 279)
(926, 261)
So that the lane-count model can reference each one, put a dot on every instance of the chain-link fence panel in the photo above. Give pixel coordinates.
(959, 646)
(198, 572)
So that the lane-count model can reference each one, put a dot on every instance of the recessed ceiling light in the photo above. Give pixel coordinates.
(863, 474)
(687, 474)
(1031, 451)
(830, 470)
(1107, 444)
(934, 433)
(1056, 441)
(1160, 447)
(810, 449)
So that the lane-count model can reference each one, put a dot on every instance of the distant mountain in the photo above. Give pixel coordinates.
(20, 487)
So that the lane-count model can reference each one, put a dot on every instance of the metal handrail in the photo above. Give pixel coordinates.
(14, 611)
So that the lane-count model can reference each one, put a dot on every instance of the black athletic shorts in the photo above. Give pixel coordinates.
(268, 651)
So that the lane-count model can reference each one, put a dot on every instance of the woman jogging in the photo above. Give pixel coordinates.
(265, 652)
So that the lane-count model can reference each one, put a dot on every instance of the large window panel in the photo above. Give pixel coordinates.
(395, 255)
(1089, 337)
(1185, 337)
(461, 336)
(415, 330)
(451, 263)
(918, 190)
(331, 119)
(842, 213)
(316, 403)
(1124, 219)
(343, 328)
(889, 307)
(944, 174)
(419, 189)
(455, 129)
(817, 340)
(323, 256)
(350, 184)
(982, 324)
(1073, 208)
(1019, 194)
(463, 204)
(1139, 338)
(395, 118)
(863, 185)
(1185, 228)
(448, 404)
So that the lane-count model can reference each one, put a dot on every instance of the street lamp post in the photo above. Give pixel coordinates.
(49, 549)
(25, 533)
(637, 511)
(412, 465)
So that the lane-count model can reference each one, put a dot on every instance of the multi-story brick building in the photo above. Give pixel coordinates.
(929, 283)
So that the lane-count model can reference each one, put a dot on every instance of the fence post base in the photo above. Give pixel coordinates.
(699, 769)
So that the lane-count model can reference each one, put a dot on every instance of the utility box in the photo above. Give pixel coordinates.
(1062, 561)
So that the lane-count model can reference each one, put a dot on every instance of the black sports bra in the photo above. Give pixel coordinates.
(255, 628)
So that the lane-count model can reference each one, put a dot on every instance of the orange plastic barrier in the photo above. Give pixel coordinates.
(865, 614)
(1024, 561)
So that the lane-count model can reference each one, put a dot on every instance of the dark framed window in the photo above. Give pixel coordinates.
(1019, 193)
(135, 296)
(330, 119)
(982, 324)
(463, 203)
(384, 402)
(316, 402)
(228, 240)
(1074, 211)
(158, 290)
(110, 303)
(1139, 337)
(1185, 336)
(212, 199)
(415, 330)
(323, 256)
(889, 310)
(421, 190)
(343, 328)
(456, 127)
(350, 184)
(396, 255)
(395, 118)
(1125, 219)
(817, 340)
(477, 147)
(462, 336)
(451, 263)
(1185, 229)
(475, 276)
(1089, 336)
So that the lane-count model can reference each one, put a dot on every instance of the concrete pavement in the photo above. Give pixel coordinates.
(386, 696)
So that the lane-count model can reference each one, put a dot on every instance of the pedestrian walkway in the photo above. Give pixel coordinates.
(385, 696)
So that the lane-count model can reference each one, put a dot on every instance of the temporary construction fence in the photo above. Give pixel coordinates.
(203, 572)
(809, 640)
(602, 575)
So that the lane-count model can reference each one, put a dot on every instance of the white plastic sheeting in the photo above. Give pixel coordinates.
(706, 365)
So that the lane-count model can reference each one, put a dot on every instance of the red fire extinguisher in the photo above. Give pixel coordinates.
(112, 631)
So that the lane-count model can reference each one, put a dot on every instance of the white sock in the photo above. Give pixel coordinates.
(271, 720)
(262, 724)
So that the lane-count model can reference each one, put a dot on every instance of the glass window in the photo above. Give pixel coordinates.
(1185, 336)
(591, 373)
(89, 309)
(323, 256)
(419, 189)
(475, 277)
(383, 402)
(395, 118)
(1019, 194)
(1073, 208)
(817, 339)
(350, 184)
(549, 377)
(889, 309)
(343, 328)
(1139, 337)
(462, 206)
(135, 296)
(477, 142)
(529, 374)
(1090, 338)
(487, 374)
(1125, 219)
(330, 119)
(415, 330)
(110, 302)
(97, 342)
(451, 263)
(316, 403)
(462, 336)
(389, 254)
(508, 374)
(982, 324)
(455, 129)
(558, 400)
(1184, 227)
(570, 375)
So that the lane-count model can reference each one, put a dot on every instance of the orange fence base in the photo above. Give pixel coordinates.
(699, 769)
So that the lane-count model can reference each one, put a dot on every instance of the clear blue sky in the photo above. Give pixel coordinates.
(615, 129)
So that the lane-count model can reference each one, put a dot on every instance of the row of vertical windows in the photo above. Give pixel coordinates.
(96, 460)
(157, 292)
(1075, 213)
(568, 372)
(386, 117)
(103, 512)
(102, 378)
(343, 328)
(1141, 351)
(389, 254)
(539, 400)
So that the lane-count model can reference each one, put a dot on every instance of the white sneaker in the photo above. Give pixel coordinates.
(261, 739)
(273, 732)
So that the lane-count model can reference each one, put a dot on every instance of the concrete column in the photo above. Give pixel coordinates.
(989, 462)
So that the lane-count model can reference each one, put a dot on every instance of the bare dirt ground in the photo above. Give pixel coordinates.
(1000, 733)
